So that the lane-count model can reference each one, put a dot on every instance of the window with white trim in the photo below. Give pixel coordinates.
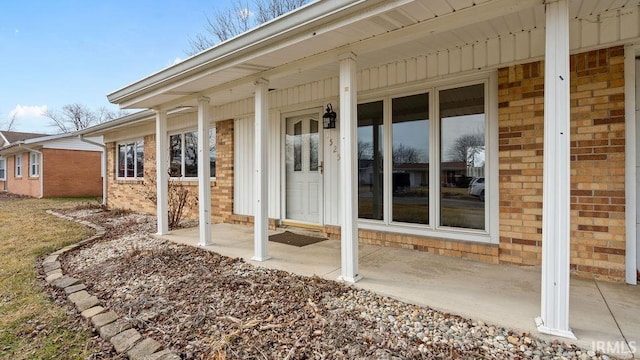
(183, 154)
(34, 164)
(3, 169)
(18, 165)
(130, 160)
(421, 159)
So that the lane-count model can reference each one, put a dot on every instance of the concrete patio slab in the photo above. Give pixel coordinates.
(604, 316)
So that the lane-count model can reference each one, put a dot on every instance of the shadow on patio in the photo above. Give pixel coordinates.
(604, 316)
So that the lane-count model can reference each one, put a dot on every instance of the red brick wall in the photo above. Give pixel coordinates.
(597, 163)
(70, 173)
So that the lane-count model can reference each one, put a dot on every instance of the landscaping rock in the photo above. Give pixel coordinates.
(65, 281)
(50, 266)
(143, 349)
(125, 340)
(162, 355)
(74, 288)
(77, 296)
(201, 304)
(103, 319)
(86, 303)
(55, 275)
(113, 329)
(92, 311)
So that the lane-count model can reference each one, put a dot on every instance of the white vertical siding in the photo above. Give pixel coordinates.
(332, 175)
(244, 140)
(244, 136)
(275, 164)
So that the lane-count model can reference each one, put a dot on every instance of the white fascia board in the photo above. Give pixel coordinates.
(477, 13)
(293, 24)
(6, 142)
(101, 129)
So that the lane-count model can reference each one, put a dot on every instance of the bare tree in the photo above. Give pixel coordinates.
(227, 23)
(467, 147)
(403, 154)
(74, 117)
(365, 150)
(8, 126)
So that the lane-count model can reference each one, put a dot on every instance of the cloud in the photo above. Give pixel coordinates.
(27, 111)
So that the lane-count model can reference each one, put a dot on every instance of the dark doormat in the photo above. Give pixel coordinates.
(294, 239)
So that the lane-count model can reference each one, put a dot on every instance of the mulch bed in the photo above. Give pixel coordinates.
(202, 305)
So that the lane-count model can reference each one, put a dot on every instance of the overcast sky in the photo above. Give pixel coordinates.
(77, 51)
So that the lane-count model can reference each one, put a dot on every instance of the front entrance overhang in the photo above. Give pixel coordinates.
(458, 36)
(432, 39)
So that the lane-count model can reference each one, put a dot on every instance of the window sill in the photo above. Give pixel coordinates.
(478, 236)
(129, 181)
(188, 180)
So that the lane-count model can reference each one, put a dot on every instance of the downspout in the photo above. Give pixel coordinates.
(41, 175)
(104, 166)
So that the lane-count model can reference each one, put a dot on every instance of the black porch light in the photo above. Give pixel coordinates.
(329, 118)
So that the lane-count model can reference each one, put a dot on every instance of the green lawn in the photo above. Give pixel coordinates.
(32, 326)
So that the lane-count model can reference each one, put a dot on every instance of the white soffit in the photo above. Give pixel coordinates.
(293, 61)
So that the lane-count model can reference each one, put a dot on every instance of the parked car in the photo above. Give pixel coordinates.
(476, 188)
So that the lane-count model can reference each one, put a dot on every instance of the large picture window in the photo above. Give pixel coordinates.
(183, 154)
(370, 146)
(410, 159)
(131, 160)
(421, 159)
(462, 157)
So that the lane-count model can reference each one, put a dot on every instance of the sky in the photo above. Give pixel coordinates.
(54, 53)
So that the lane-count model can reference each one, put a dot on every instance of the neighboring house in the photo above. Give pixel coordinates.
(7, 138)
(51, 165)
(536, 97)
(10, 137)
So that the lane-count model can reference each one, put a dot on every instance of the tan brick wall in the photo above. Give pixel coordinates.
(222, 190)
(24, 185)
(70, 173)
(134, 195)
(597, 163)
(131, 194)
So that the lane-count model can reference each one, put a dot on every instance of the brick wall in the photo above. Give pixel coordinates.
(69, 173)
(24, 185)
(135, 195)
(131, 194)
(597, 163)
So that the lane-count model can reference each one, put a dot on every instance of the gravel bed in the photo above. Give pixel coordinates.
(202, 305)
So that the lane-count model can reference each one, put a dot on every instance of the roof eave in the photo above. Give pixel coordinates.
(288, 25)
(101, 129)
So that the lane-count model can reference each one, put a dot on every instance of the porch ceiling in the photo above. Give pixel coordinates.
(379, 32)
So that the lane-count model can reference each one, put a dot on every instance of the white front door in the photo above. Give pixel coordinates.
(303, 152)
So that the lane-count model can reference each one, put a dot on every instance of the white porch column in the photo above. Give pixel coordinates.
(349, 168)
(260, 214)
(554, 318)
(204, 173)
(162, 173)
